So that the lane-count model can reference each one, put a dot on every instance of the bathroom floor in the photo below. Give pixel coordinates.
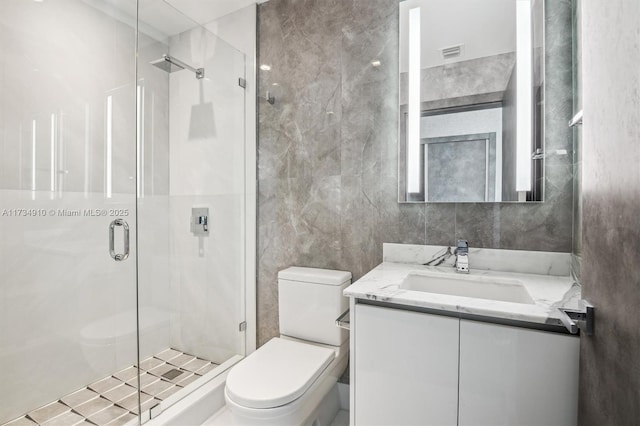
(114, 399)
(225, 418)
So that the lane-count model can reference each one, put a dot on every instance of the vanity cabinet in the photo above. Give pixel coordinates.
(516, 376)
(414, 368)
(406, 368)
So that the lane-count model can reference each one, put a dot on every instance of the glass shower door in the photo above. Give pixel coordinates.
(191, 208)
(68, 336)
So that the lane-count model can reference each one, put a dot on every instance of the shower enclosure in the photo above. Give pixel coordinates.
(122, 209)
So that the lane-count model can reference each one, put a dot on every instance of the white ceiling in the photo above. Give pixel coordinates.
(484, 27)
(163, 18)
(205, 11)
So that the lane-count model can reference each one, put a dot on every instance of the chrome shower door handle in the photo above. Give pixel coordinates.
(118, 257)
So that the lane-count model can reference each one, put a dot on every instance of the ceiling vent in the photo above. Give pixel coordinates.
(452, 51)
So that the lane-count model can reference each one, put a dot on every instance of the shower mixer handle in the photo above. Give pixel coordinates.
(200, 221)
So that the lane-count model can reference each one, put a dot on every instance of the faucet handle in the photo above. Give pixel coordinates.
(462, 247)
(462, 256)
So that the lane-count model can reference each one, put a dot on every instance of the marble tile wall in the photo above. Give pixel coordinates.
(609, 362)
(327, 149)
(481, 76)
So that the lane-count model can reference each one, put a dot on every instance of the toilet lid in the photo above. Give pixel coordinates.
(277, 373)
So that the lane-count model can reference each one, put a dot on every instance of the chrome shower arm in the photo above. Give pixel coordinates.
(199, 72)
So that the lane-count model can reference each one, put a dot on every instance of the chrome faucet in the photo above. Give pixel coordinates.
(462, 256)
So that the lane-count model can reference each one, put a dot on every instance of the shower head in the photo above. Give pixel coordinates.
(170, 64)
(166, 65)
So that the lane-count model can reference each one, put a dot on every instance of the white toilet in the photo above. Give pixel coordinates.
(291, 379)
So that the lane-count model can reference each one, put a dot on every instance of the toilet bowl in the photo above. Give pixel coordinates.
(289, 380)
(281, 386)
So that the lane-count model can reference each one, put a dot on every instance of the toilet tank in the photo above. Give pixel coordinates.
(310, 301)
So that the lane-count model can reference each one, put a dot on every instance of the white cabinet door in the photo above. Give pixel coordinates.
(406, 367)
(516, 377)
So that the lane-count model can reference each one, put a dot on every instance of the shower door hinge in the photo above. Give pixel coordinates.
(155, 411)
(242, 326)
(242, 83)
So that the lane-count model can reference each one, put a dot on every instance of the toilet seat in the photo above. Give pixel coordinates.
(277, 373)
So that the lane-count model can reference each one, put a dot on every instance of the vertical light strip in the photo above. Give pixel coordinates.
(142, 139)
(109, 150)
(33, 156)
(138, 138)
(140, 142)
(61, 172)
(20, 155)
(413, 124)
(87, 138)
(524, 95)
(53, 153)
(152, 171)
(487, 168)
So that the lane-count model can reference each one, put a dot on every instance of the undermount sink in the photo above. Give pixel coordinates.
(504, 290)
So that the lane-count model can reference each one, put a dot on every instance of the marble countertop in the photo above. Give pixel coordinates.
(549, 292)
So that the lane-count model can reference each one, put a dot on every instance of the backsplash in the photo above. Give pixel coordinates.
(327, 150)
(519, 261)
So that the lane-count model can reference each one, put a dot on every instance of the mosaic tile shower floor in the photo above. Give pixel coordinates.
(114, 400)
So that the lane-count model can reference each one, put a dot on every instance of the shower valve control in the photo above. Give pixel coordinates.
(200, 221)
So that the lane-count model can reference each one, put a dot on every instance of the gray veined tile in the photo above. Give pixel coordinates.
(150, 363)
(67, 419)
(440, 223)
(108, 415)
(22, 421)
(126, 374)
(119, 393)
(181, 360)
(92, 407)
(168, 354)
(156, 388)
(106, 384)
(195, 364)
(79, 397)
(49, 412)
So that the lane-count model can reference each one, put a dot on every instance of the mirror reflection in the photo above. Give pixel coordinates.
(471, 99)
